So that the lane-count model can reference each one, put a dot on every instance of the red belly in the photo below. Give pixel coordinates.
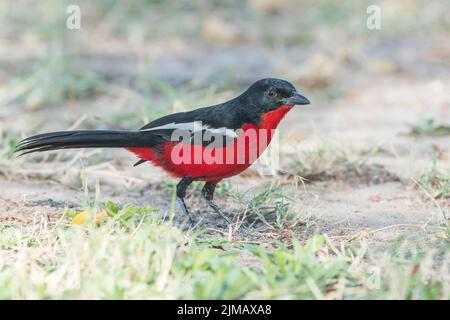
(214, 164)
(203, 163)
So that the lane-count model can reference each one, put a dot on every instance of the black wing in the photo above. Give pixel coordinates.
(211, 126)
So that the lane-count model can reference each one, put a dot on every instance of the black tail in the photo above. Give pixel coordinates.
(86, 139)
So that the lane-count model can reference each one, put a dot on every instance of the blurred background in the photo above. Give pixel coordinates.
(147, 56)
(379, 97)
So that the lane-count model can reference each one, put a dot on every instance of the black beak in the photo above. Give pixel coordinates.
(297, 98)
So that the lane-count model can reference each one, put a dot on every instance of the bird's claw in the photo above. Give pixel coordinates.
(216, 209)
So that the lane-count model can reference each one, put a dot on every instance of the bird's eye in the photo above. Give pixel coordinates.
(271, 93)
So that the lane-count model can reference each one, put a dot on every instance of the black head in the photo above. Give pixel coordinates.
(270, 94)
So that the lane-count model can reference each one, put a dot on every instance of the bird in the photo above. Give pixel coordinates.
(207, 144)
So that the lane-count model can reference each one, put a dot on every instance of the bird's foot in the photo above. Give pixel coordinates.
(185, 211)
(219, 211)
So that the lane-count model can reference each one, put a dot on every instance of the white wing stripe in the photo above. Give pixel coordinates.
(194, 127)
(223, 131)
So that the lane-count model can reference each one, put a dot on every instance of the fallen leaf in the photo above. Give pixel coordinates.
(100, 216)
(83, 216)
(80, 218)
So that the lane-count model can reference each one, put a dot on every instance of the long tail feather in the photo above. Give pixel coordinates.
(86, 139)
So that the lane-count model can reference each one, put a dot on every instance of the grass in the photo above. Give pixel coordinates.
(153, 259)
(436, 181)
(50, 81)
(8, 144)
(271, 206)
(428, 127)
(325, 161)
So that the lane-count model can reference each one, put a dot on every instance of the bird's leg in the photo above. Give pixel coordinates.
(208, 194)
(181, 193)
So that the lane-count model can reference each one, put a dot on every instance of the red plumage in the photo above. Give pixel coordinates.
(163, 156)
